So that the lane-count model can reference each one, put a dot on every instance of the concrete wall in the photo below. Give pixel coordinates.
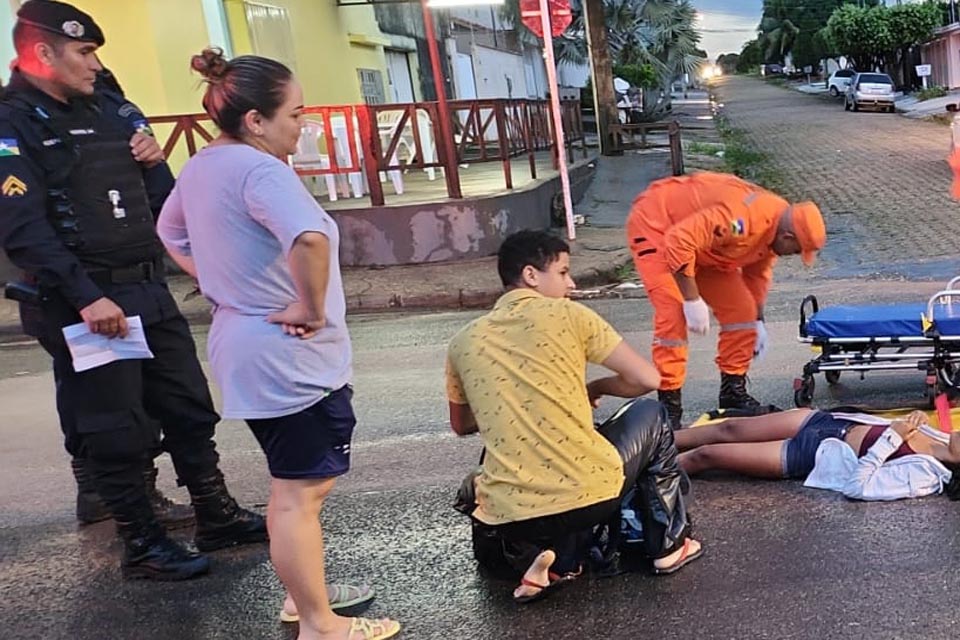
(941, 55)
(449, 230)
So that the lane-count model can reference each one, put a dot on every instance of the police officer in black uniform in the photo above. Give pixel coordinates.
(77, 215)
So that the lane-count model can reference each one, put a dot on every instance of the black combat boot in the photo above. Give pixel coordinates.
(733, 393)
(90, 507)
(149, 554)
(220, 520)
(170, 514)
(671, 400)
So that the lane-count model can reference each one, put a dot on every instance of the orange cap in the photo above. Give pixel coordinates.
(810, 231)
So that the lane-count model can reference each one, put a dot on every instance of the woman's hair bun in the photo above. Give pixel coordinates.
(210, 64)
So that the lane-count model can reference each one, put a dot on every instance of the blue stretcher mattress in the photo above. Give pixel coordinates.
(876, 321)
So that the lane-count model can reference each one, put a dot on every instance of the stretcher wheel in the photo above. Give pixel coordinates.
(803, 393)
(833, 377)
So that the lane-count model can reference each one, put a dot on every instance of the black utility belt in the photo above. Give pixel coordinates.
(138, 273)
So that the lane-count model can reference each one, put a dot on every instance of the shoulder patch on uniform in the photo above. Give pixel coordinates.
(13, 187)
(128, 109)
(9, 147)
(738, 227)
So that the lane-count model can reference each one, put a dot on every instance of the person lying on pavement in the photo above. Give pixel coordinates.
(863, 456)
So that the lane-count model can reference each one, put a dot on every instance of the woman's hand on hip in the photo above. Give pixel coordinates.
(298, 321)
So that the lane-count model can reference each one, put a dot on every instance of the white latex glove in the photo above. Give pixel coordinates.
(697, 315)
(763, 341)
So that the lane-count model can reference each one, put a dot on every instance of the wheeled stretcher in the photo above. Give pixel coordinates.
(910, 337)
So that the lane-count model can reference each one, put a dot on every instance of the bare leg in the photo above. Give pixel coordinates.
(296, 549)
(757, 459)
(773, 426)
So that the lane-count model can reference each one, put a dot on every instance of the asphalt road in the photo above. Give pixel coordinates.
(781, 561)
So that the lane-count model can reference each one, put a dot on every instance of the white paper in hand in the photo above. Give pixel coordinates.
(90, 350)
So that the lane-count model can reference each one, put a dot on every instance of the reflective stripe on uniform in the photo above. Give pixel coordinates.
(668, 342)
(750, 199)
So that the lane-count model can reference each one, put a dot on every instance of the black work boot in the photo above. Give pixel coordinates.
(221, 522)
(90, 507)
(733, 393)
(150, 555)
(170, 514)
(671, 400)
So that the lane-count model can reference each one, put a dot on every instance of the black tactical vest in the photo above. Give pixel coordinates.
(96, 198)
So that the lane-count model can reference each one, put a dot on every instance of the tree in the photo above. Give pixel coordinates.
(861, 34)
(910, 25)
(728, 63)
(882, 37)
(751, 57)
(812, 16)
(660, 34)
(777, 29)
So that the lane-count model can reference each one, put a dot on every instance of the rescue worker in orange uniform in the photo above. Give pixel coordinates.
(705, 242)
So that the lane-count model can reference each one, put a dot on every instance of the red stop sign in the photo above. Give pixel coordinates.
(560, 16)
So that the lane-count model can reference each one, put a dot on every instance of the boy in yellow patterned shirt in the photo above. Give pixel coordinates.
(518, 377)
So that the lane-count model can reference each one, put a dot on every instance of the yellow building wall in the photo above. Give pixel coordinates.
(148, 47)
(149, 44)
(327, 61)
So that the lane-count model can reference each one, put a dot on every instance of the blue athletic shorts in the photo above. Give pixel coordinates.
(800, 452)
(314, 443)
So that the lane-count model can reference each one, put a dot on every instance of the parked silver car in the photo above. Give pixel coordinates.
(873, 90)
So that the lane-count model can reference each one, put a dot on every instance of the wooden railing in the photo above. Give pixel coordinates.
(371, 139)
(625, 137)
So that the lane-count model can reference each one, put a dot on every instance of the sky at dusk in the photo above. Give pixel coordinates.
(727, 24)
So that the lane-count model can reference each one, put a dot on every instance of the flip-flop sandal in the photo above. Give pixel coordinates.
(533, 597)
(373, 629)
(556, 580)
(342, 596)
(685, 558)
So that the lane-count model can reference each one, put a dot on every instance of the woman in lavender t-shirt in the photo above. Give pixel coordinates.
(266, 255)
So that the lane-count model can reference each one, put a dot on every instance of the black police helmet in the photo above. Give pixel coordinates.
(62, 19)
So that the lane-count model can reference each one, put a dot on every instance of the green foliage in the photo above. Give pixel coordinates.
(777, 29)
(811, 18)
(930, 93)
(751, 57)
(824, 45)
(742, 159)
(638, 75)
(729, 62)
(879, 35)
(912, 24)
(703, 148)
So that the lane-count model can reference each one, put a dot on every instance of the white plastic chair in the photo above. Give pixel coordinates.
(338, 125)
(387, 122)
(309, 157)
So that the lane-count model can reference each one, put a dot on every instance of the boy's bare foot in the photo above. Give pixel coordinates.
(536, 579)
(689, 551)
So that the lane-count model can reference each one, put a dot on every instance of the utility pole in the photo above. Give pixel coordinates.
(601, 72)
